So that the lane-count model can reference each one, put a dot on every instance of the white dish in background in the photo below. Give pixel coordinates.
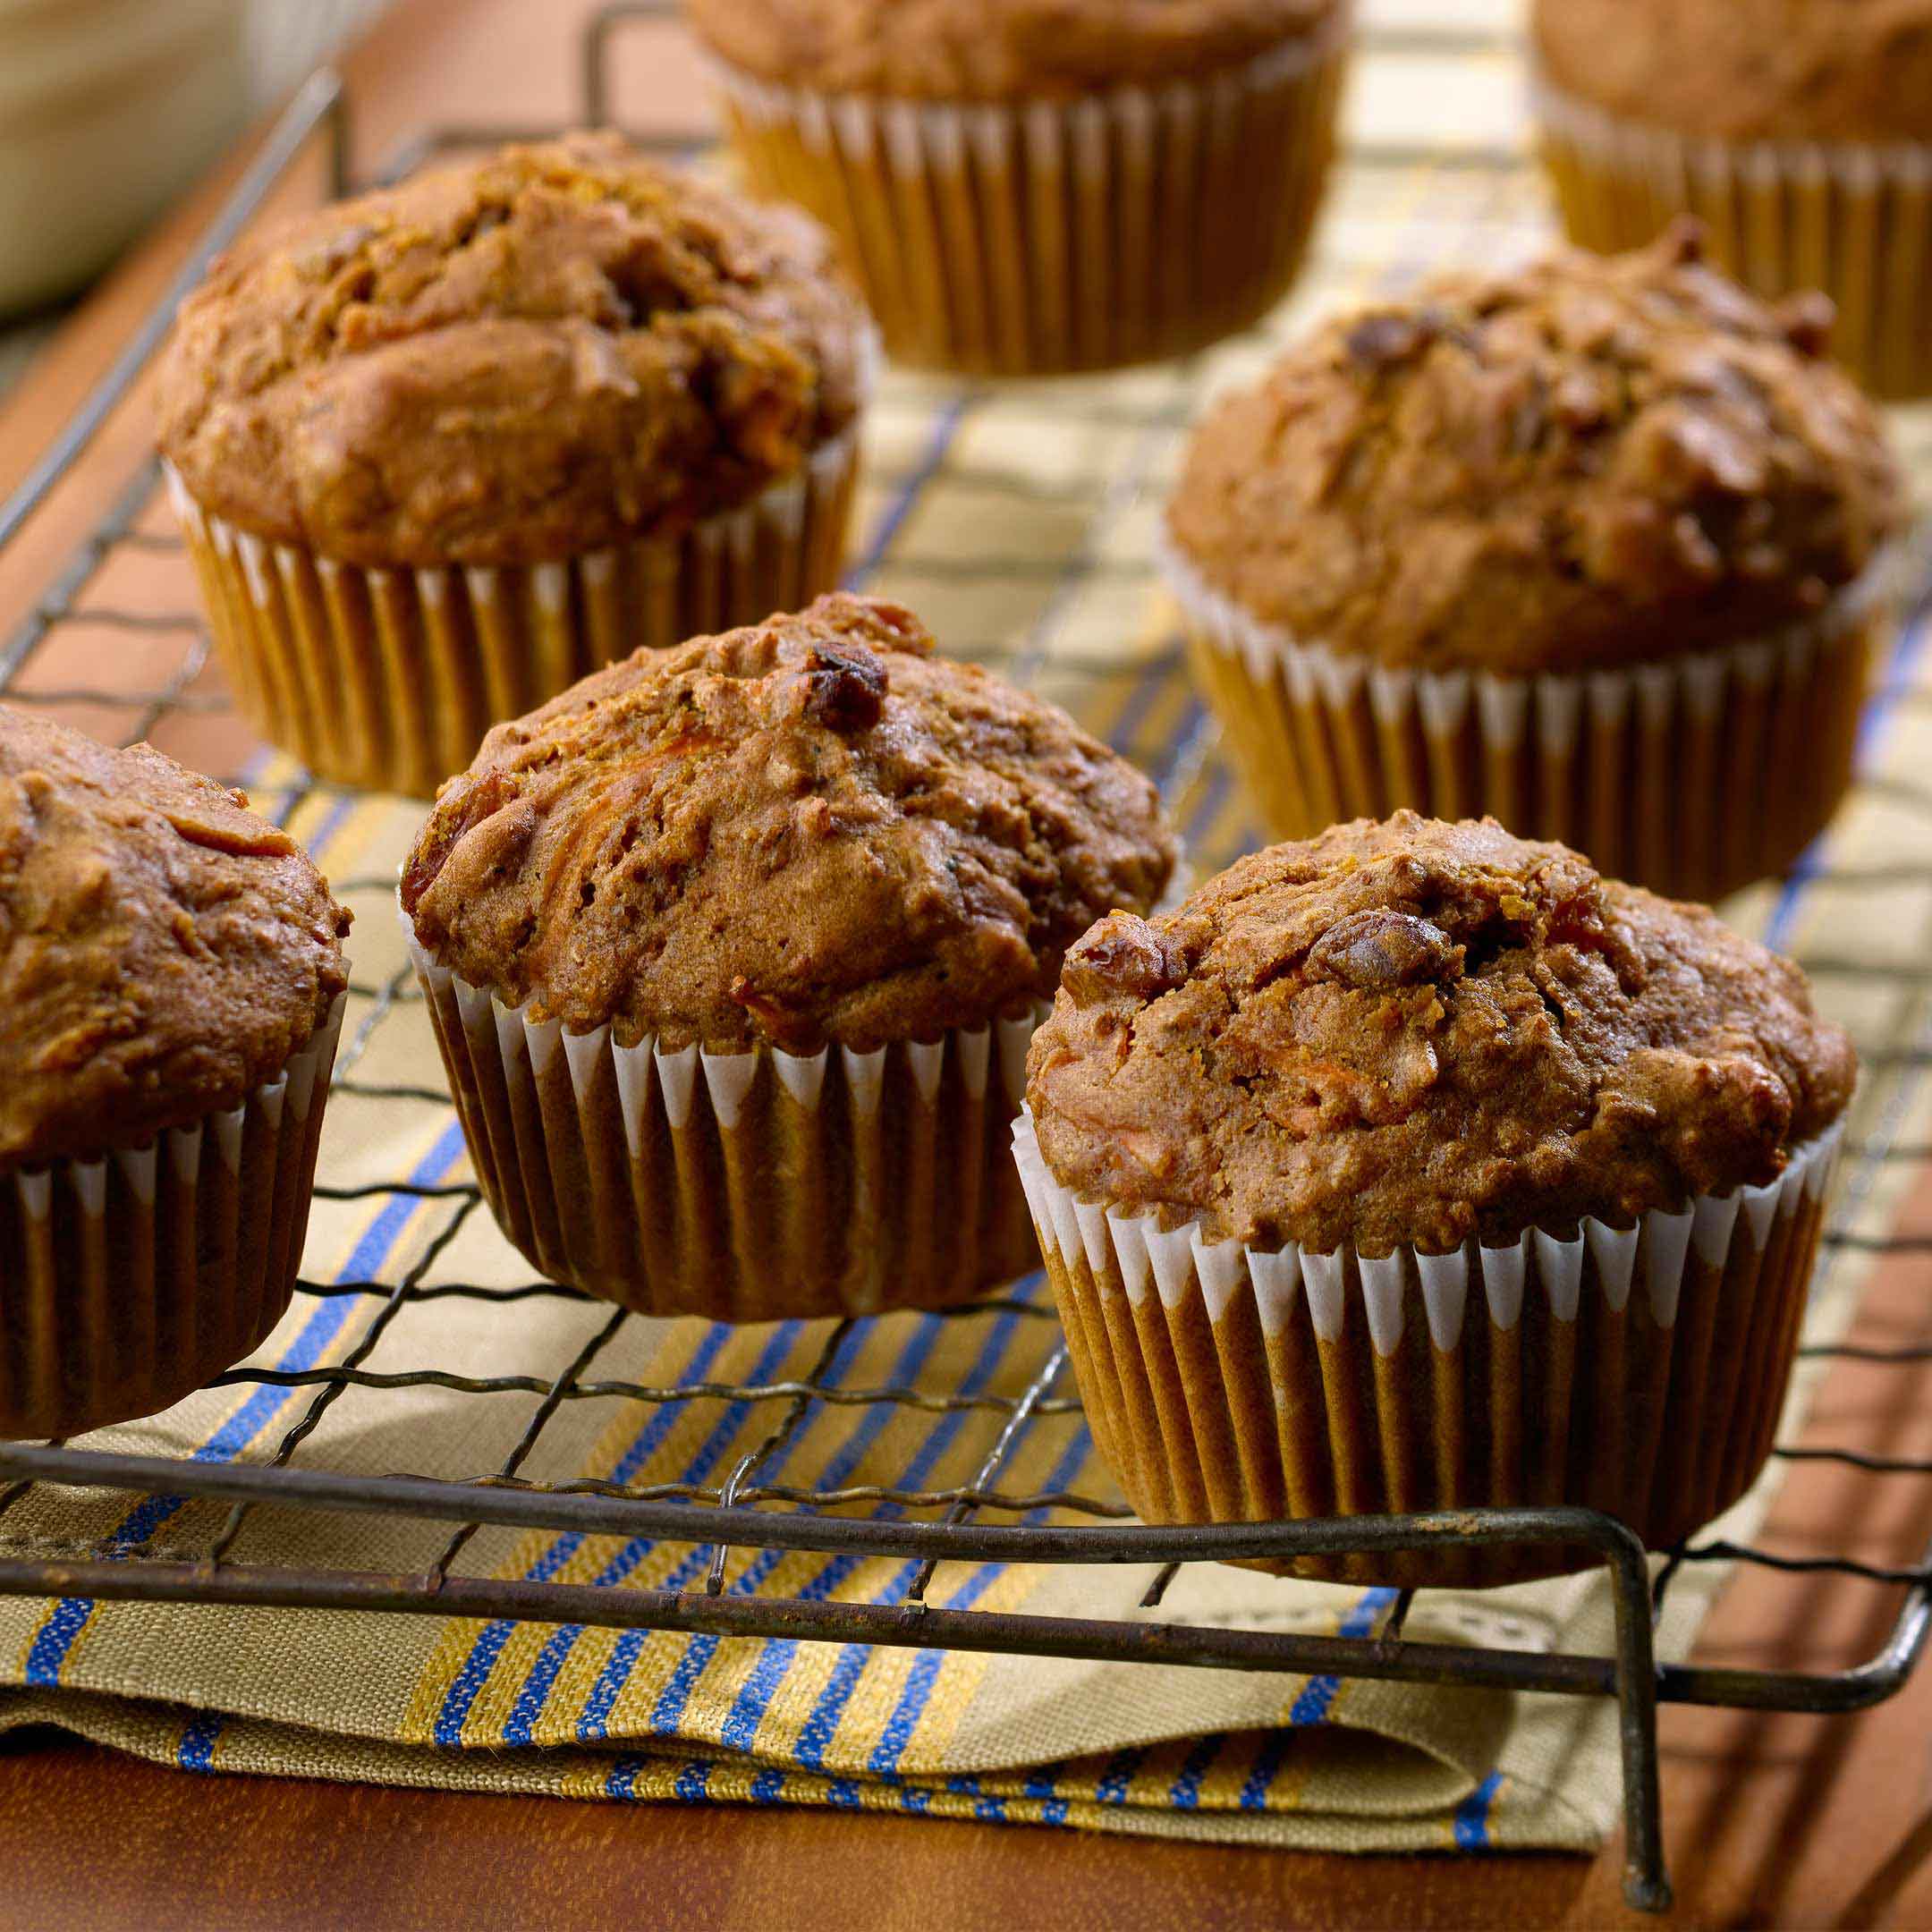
(108, 110)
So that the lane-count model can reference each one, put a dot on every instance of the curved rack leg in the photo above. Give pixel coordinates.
(1646, 1884)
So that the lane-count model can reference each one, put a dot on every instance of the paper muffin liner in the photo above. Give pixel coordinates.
(1692, 776)
(1853, 218)
(388, 679)
(127, 1281)
(742, 1186)
(1639, 1371)
(1041, 237)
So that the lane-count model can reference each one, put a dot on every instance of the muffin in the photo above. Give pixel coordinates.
(440, 450)
(1025, 187)
(1598, 548)
(171, 986)
(789, 902)
(1415, 1166)
(1801, 130)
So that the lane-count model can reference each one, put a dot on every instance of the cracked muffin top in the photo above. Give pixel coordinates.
(996, 50)
(1747, 70)
(1416, 1032)
(811, 830)
(510, 361)
(1589, 462)
(163, 951)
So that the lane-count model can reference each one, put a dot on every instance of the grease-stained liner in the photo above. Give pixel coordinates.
(1691, 775)
(742, 1186)
(129, 1281)
(1639, 1371)
(1853, 218)
(1039, 237)
(388, 679)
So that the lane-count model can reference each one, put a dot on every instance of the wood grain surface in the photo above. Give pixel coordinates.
(1771, 1820)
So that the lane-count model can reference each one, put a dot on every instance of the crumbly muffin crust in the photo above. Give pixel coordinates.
(809, 830)
(162, 950)
(509, 361)
(1417, 1032)
(1587, 463)
(1856, 71)
(996, 50)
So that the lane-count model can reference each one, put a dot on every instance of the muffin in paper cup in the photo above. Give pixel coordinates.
(734, 952)
(1602, 549)
(1696, 775)
(1112, 199)
(388, 678)
(440, 452)
(1801, 138)
(1415, 1168)
(174, 985)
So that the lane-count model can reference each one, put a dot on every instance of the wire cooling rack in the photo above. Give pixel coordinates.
(986, 1479)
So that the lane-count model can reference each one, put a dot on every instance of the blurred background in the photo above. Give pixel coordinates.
(109, 109)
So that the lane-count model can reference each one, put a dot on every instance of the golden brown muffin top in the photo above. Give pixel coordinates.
(811, 830)
(512, 361)
(163, 951)
(1588, 462)
(1414, 1032)
(994, 50)
(1747, 70)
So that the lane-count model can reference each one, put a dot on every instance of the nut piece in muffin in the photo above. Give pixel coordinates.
(171, 969)
(559, 362)
(1075, 183)
(846, 869)
(1799, 128)
(1474, 1106)
(1540, 490)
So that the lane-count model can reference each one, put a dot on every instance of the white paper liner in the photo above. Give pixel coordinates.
(1853, 218)
(1637, 1370)
(127, 1281)
(1029, 237)
(1693, 775)
(389, 678)
(742, 1186)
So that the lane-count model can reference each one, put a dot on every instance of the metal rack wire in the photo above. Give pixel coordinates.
(749, 1506)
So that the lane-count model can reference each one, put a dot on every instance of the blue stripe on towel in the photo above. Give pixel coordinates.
(1473, 1815)
(1359, 1620)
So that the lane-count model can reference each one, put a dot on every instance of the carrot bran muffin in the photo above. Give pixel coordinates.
(1417, 1166)
(1031, 186)
(1800, 130)
(171, 974)
(443, 449)
(733, 951)
(1597, 546)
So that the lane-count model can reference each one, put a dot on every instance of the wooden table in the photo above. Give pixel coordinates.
(1771, 1820)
